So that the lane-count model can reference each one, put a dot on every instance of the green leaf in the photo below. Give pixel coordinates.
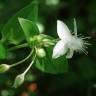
(30, 29)
(2, 51)
(12, 32)
(53, 66)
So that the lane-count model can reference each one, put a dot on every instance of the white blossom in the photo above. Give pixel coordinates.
(68, 43)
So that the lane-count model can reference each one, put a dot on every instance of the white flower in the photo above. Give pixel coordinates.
(68, 43)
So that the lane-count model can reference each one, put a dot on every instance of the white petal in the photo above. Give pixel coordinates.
(59, 49)
(75, 27)
(63, 31)
(69, 54)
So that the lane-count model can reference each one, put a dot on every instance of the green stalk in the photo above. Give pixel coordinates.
(17, 63)
(30, 65)
(18, 47)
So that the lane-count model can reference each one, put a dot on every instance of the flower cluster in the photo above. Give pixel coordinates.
(66, 45)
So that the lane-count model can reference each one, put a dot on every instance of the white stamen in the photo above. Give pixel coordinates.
(86, 37)
(84, 51)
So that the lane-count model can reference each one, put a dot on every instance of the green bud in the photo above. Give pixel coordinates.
(45, 40)
(32, 40)
(36, 39)
(39, 38)
(4, 68)
(19, 80)
(41, 52)
(48, 42)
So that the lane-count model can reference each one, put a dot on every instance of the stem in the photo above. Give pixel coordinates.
(15, 64)
(30, 65)
(17, 47)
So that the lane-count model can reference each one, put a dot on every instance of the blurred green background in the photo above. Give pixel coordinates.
(80, 80)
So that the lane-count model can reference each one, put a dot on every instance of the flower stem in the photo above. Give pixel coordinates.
(17, 63)
(18, 47)
(30, 65)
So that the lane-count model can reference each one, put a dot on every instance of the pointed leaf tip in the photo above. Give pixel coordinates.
(29, 28)
(19, 18)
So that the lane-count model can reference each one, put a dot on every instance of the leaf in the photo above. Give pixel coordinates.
(53, 66)
(12, 31)
(30, 29)
(3, 51)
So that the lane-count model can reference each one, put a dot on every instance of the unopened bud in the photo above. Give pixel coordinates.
(19, 80)
(48, 42)
(41, 52)
(4, 68)
(36, 39)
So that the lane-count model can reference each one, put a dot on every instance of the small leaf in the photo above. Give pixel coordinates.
(53, 66)
(12, 32)
(30, 28)
(3, 51)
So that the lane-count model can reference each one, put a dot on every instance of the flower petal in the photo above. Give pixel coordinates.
(69, 54)
(59, 49)
(75, 27)
(63, 31)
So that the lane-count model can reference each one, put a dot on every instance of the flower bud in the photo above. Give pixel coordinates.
(4, 68)
(19, 80)
(48, 42)
(36, 39)
(41, 52)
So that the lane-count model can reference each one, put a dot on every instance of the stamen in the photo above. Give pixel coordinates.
(83, 50)
(87, 43)
(73, 33)
(79, 35)
(85, 37)
(85, 47)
